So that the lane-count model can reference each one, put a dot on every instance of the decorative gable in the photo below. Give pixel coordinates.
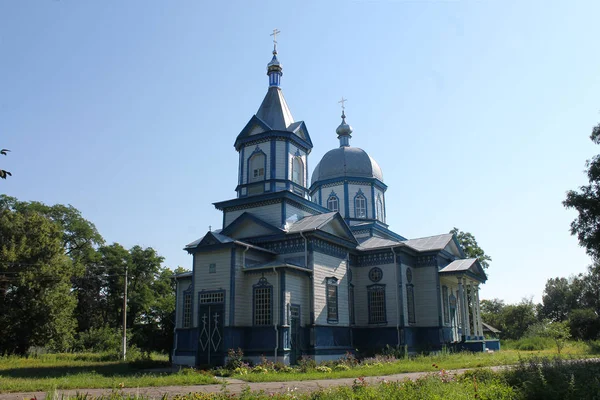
(248, 225)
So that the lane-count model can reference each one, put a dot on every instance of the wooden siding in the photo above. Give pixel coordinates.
(360, 279)
(291, 210)
(326, 266)
(426, 299)
(339, 191)
(248, 150)
(352, 192)
(296, 292)
(243, 298)
(203, 280)
(270, 213)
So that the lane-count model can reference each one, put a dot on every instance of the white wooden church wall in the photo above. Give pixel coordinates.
(182, 285)
(269, 213)
(360, 279)
(205, 280)
(403, 268)
(426, 299)
(244, 292)
(326, 266)
(291, 210)
(338, 190)
(265, 147)
(290, 157)
(297, 286)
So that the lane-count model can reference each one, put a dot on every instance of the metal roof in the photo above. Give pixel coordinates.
(376, 242)
(490, 328)
(226, 239)
(311, 223)
(274, 110)
(437, 242)
(346, 161)
(459, 265)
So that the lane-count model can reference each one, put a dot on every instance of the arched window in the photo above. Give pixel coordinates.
(333, 203)
(360, 206)
(379, 209)
(298, 171)
(256, 171)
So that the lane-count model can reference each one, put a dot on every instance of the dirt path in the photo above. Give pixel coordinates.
(233, 386)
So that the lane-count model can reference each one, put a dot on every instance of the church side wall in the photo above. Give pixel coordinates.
(297, 286)
(426, 297)
(244, 297)
(280, 160)
(338, 190)
(291, 210)
(290, 156)
(269, 213)
(361, 281)
(326, 266)
(207, 281)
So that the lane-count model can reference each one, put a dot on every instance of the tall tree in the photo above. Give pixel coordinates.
(36, 302)
(471, 248)
(560, 297)
(586, 202)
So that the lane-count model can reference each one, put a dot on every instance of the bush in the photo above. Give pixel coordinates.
(235, 359)
(306, 364)
(99, 340)
(531, 343)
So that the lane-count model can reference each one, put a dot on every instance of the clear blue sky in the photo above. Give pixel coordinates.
(478, 113)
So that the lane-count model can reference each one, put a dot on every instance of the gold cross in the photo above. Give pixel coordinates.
(274, 34)
(343, 100)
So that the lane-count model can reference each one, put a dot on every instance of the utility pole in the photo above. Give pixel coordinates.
(125, 318)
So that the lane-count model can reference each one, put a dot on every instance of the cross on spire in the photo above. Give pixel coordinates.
(274, 34)
(342, 101)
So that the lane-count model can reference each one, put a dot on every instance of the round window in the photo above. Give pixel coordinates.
(409, 275)
(375, 274)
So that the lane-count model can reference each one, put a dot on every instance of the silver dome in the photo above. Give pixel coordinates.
(346, 162)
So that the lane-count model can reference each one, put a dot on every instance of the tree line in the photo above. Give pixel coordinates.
(61, 285)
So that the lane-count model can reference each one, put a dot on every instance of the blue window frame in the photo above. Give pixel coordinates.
(262, 302)
(333, 202)
(446, 304)
(212, 268)
(376, 303)
(360, 205)
(332, 299)
(298, 171)
(379, 209)
(187, 310)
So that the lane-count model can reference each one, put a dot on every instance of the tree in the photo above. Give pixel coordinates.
(586, 202)
(3, 173)
(559, 333)
(471, 248)
(36, 302)
(559, 298)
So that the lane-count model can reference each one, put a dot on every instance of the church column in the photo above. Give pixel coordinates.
(474, 309)
(479, 321)
(461, 308)
(466, 303)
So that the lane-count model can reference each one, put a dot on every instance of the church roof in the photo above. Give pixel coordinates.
(437, 242)
(346, 161)
(214, 237)
(459, 265)
(376, 242)
(274, 110)
(311, 223)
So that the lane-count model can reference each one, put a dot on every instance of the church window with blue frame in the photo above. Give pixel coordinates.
(375, 274)
(212, 268)
(360, 206)
(257, 167)
(333, 203)
(376, 303)
(187, 310)
(446, 304)
(262, 298)
(332, 300)
(379, 209)
(410, 303)
(298, 171)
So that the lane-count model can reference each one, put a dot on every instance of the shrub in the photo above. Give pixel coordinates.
(530, 343)
(235, 359)
(99, 340)
(341, 367)
(323, 368)
(306, 364)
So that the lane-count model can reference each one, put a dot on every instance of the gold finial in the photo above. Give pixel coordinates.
(274, 34)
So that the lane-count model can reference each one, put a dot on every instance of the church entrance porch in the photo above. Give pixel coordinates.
(210, 339)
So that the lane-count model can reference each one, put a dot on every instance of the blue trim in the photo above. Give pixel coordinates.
(273, 183)
(439, 300)
(400, 304)
(193, 285)
(346, 204)
(375, 270)
(251, 201)
(281, 297)
(333, 282)
(351, 304)
(351, 179)
(320, 197)
(187, 292)
(273, 174)
(262, 283)
(232, 281)
(243, 151)
(373, 288)
(283, 213)
(373, 201)
(244, 137)
(256, 151)
(411, 310)
(287, 165)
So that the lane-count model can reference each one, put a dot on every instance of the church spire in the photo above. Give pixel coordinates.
(274, 70)
(344, 131)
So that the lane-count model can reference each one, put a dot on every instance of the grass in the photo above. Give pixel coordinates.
(74, 371)
(429, 363)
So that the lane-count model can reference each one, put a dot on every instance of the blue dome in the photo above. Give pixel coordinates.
(347, 162)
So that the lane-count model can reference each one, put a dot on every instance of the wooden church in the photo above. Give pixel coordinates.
(313, 270)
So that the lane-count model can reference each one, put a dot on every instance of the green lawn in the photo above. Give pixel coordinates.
(73, 371)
